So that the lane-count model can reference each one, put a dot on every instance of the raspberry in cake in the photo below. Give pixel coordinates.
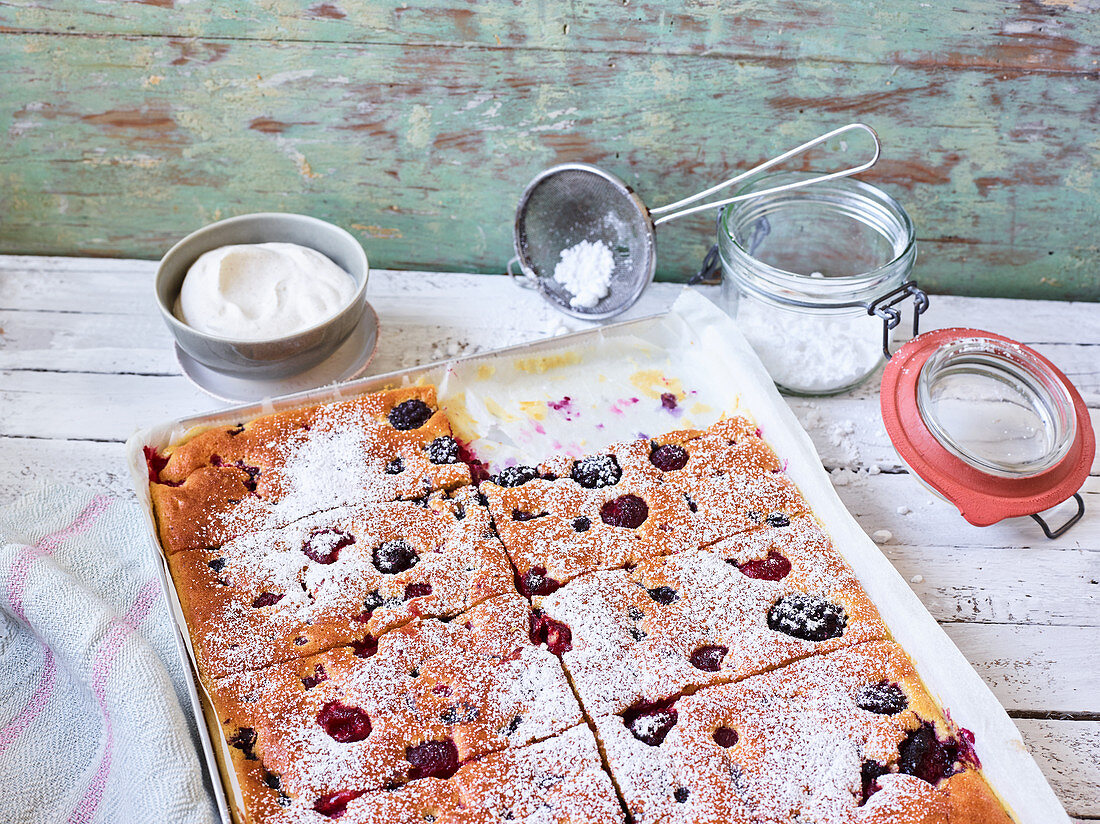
(278, 468)
(431, 696)
(798, 744)
(340, 576)
(572, 516)
(708, 616)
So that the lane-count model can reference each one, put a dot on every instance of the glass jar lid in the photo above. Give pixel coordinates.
(987, 422)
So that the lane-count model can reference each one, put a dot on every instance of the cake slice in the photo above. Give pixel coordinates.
(706, 616)
(730, 477)
(271, 471)
(341, 576)
(851, 736)
(583, 515)
(558, 780)
(429, 697)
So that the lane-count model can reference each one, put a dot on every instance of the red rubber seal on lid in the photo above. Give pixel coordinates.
(982, 498)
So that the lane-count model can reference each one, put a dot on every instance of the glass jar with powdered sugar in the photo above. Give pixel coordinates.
(813, 276)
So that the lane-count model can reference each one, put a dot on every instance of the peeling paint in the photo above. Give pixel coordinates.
(378, 232)
(419, 130)
(429, 147)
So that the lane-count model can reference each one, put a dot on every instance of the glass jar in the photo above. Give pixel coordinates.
(802, 271)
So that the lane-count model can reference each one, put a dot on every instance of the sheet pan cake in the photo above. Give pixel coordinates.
(384, 640)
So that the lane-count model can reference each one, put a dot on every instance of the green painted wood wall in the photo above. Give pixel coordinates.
(417, 125)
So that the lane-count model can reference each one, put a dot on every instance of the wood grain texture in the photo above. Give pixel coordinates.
(1066, 752)
(130, 124)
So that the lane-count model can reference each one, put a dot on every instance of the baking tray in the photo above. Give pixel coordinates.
(579, 392)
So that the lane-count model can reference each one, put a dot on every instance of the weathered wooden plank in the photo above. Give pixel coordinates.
(848, 431)
(1003, 586)
(1032, 37)
(1066, 753)
(1032, 666)
(50, 283)
(424, 151)
(879, 501)
(26, 463)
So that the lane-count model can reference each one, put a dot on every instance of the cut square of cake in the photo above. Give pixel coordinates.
(275, 469)
(730, 477)
(845, 737)
(345, 575)
(428, 697)
(575, 516)
(706, 616)
(557, 780)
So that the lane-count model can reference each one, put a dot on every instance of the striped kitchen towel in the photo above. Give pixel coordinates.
(95, 724)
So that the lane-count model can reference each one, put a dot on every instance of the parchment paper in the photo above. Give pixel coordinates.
(681, 370)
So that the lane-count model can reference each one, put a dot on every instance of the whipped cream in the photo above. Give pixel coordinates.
(261, 291)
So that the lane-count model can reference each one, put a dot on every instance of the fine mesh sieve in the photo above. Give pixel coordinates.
(573, 202)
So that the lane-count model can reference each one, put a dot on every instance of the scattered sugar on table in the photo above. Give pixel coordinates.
(585, 271)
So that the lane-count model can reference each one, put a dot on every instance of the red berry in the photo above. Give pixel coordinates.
(708, 658)
(556, 635)
(773, 568)
(319, 675)
(366, 647)
(627, 511)
(725, 737)
(650, 722)
(433, 759)
(324, 545)
(335, 805)
(345, 724)
(266, 599)
(669, 457)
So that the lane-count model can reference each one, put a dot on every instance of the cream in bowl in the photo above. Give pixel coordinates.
(261, 291)
(264, 296)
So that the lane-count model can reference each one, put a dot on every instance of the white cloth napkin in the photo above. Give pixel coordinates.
(95, 724)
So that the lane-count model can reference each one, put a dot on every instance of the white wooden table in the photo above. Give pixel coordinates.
(85, 360)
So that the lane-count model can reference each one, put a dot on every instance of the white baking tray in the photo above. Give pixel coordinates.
(579, 392)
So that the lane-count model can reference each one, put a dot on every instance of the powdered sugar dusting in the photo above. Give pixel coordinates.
(802, 743)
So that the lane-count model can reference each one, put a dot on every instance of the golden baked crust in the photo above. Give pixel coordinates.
(269, 472)
(340, 576)
(429, 697)
(731, 478)
(847, 737)
(707, 616)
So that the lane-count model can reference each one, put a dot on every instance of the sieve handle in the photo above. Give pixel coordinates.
(521, 278)
(670, 211)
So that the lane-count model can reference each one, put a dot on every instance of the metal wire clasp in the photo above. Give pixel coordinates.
(1064, 528)
(883, 307)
